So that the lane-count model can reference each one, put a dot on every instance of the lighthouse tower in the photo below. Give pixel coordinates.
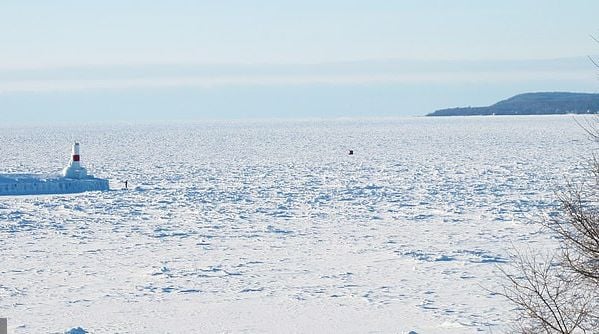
(74, 170)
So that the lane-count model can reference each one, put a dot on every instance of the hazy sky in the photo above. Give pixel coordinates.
(229, 58)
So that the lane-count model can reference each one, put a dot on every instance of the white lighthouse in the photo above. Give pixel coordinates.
(74, 170)
(74, 179)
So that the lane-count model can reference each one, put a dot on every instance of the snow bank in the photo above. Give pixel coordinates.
(77, 330)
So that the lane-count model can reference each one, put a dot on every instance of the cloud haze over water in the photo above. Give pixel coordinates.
(364, 73)
(126, 59)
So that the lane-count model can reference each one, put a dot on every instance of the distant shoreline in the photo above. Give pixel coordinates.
(542, 103)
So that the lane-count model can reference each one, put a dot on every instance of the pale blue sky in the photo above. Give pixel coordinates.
(63, 55)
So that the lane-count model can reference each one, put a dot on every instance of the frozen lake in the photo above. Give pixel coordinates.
(272, 226)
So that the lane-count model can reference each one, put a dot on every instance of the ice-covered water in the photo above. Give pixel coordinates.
(273, 227)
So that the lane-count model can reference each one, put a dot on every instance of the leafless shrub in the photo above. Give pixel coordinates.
(560, 293)
(578, 230)
(548, 298)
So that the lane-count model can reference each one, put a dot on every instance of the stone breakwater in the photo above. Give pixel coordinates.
(28, 184)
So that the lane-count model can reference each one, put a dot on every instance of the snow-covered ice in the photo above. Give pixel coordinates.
(273, 227)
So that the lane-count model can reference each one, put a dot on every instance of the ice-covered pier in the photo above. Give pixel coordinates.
(74, 179)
